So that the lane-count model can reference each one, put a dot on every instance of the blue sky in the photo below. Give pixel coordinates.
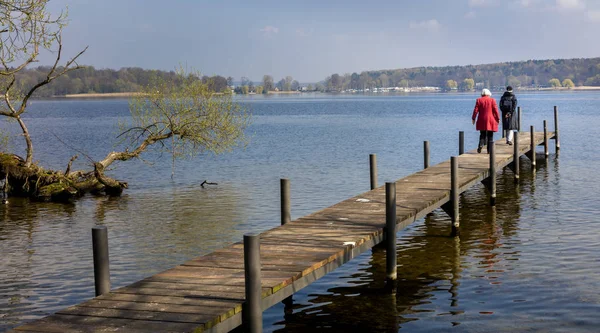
(310, 40)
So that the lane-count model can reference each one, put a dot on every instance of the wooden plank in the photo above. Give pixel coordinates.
(199, 318)
(171, 300)
(85, 324)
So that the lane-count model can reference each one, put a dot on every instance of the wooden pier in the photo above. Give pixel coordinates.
(208, 293)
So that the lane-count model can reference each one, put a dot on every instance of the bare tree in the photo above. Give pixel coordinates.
(26, 29)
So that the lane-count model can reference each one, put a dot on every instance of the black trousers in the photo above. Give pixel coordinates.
(484, 138)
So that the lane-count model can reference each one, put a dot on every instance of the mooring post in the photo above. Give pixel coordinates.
(546, 153)
(101, 262)
(454, 195)
(556, 141)
(286, 208)
(516, 157)
(519, 118)
(390, 233)
(532, 147)
(492, 178)
(461, 143)
(373, 167)
(252, 310)
(425, 154)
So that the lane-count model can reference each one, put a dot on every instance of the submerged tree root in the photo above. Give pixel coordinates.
(48, 185)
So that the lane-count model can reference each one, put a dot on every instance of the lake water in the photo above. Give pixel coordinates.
(529, 264)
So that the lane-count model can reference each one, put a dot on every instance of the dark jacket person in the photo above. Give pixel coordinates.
(508, 106)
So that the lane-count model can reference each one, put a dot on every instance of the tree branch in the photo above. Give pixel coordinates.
(126, 155)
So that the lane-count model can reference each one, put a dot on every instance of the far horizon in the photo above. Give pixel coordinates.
(237, 81)
(311, 40)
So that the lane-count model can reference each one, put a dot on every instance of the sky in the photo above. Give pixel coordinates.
(310, 40)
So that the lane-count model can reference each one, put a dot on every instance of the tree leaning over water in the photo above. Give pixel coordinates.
(180, 114)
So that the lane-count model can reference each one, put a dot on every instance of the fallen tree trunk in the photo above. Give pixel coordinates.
(48, 185)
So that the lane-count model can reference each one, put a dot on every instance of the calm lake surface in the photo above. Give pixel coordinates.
(531, 264)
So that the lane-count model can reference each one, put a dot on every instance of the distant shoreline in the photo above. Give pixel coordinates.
(283, 92)
(561, 88)
(101, 95)
(133, 94)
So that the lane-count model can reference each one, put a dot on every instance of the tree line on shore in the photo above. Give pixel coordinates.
(532, 73)
(526, 74)
(88, 80)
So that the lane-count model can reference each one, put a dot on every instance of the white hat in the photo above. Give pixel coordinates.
(486, 92)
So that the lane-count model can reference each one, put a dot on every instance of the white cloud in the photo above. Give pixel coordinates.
(341, 38)
(480, 3)
(570, 4)
(470, 15)
(593, 15)
(269, 30)
(527, 3)
(303, 33)
(145, 28)
(430, 25)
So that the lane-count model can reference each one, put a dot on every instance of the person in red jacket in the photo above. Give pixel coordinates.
(487, 118)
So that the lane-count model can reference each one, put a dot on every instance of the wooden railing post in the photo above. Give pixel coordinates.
(425, 154)
(556, 140)
(532, 147)
(454, 195)
(546, 153)
(519, 118)
(461, 143)
(390, 234)
(286, 215)
(252, 310)
(373, 168)
(516, 157)
(101, 260)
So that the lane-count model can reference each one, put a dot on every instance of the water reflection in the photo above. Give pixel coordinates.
(431, 267)
(50, 261)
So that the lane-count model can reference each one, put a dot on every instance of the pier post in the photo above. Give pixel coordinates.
(492, 178)
(516, 157)
(286, 215)
(556, 141)
(532, 147)
(546, 139)
(390, 234)
(252, 310)
(373, 168)
(461, 143)
(101, 262)
(454, 195)
(519, 118)
(425, 154)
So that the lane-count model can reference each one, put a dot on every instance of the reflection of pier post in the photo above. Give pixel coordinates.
(454, 284)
